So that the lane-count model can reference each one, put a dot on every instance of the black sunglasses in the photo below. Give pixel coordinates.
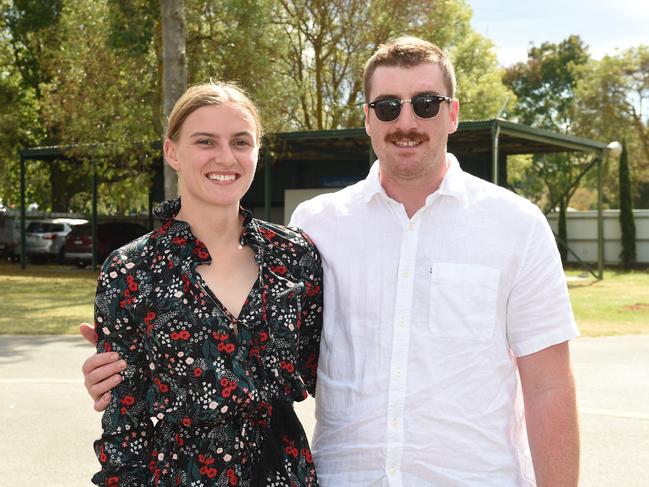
(424, 106)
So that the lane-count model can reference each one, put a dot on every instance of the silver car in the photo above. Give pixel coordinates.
(46, 238)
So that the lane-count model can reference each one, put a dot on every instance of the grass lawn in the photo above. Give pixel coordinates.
(52, 299)
(45, 299)
(617, 305)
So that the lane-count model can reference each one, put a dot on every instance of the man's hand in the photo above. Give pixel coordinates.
(100, 371)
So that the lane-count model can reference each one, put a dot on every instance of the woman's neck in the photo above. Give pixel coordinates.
(215, 226)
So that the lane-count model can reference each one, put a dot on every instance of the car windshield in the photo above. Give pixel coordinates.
(44, 227)
(81, 229)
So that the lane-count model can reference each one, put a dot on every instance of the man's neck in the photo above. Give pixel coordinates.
(412, 193)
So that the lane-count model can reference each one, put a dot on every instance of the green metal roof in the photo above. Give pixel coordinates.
(471, 137)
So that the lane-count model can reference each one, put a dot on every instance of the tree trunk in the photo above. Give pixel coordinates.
(174, 80)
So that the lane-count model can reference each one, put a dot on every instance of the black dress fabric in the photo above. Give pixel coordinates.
(207, 398)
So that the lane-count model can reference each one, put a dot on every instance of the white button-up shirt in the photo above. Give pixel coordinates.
(423, 319)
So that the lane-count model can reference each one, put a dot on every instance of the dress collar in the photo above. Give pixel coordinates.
(182, 236)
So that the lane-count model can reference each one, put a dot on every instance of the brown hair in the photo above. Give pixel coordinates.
(409, 52)
(212, 93)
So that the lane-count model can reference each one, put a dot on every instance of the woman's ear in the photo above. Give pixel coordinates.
(169, 149)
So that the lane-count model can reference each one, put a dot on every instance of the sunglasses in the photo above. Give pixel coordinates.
(424, 106)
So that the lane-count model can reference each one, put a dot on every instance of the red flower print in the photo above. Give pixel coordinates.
(132, 284)
(128, 400)
(186, 422)
(148, 321)
(269, 234)
(232, 477)
(197, 372)
(102, 455)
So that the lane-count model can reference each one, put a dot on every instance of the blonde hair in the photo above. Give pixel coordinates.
(212, 93)
(409, 52)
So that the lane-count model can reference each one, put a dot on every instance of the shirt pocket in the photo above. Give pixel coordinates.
(463, 301)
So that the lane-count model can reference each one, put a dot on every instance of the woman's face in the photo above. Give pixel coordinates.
(215, 155)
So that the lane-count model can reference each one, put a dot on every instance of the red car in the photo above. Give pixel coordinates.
(110, 236)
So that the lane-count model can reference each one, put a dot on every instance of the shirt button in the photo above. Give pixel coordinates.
(392, 471)
(406, 274)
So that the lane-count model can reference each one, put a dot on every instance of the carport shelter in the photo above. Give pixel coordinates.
(337, 158)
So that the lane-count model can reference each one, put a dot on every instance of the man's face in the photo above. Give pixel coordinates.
(411, 148)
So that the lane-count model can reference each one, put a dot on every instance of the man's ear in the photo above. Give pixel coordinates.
(170, 154)
(366, 109)
(454, 116)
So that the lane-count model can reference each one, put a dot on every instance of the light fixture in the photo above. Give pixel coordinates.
(614, 149)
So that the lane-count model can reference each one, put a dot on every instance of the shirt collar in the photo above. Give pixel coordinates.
(452, 184)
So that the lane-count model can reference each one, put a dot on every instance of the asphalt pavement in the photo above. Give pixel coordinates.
(47, 424)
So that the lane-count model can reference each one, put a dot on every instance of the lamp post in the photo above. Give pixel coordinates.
(613, 149)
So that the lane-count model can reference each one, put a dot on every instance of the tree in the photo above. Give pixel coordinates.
(545, 86)
(327, 52)
(239, 41)
(481, 91)
(88, 73)
(627, 223)
(612, 96)
(100, 102)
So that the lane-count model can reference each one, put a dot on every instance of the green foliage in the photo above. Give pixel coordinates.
(627, 223)
(132, 25)
(545, 89)
(481, 91)
(86, 74)
(612, 95)
(545, 84)
(31, 26)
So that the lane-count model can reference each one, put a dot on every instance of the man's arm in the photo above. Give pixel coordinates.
(100, 371)
(551, 415)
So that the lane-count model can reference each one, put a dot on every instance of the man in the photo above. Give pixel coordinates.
(441, 290)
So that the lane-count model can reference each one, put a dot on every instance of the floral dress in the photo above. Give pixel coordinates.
(207, 398)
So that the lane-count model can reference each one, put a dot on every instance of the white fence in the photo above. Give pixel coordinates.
(582, 235)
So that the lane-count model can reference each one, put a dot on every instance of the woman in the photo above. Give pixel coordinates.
(218, 316)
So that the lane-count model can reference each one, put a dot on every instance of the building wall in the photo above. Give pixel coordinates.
(582, 235)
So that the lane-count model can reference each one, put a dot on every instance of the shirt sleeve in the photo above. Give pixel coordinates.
(538, 310)
(311, 319)
(124, 448)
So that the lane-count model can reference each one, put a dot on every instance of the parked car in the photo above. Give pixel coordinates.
(110, 236)
(45, 239)
(9, 234)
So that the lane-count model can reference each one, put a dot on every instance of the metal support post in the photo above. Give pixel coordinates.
(23, 257)
(600, 218)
